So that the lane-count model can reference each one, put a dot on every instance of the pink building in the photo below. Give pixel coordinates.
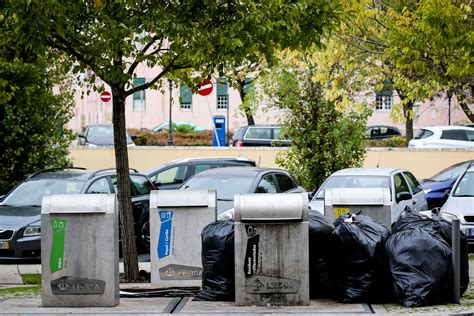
(147, 109)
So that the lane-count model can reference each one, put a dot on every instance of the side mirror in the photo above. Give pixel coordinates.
(435, 211)
(310, 195)
(133, 137)
(81, 135)
(403, 196)
(447, 192)
(156, 183)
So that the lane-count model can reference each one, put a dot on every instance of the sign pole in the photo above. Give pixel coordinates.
(170, 123)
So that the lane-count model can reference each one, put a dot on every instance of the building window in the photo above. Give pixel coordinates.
(383, 103)
(222, 94)
(139, 104)
(185, 98)
(384, 98)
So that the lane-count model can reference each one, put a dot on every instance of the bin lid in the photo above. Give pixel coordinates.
(271, 207)
(357, 196)
(183, 198)
(78, 203)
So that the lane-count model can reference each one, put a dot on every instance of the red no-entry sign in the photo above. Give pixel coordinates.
(105, 96)
(205, 87)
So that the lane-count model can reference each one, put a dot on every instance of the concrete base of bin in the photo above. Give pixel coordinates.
(315, 307)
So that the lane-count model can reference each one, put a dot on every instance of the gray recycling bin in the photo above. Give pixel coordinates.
(79, 250)
(271, 249)
(373, 202)
(177, 218)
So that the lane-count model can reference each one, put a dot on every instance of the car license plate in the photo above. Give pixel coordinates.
(4, 245)
(469, 231)
(338, 211)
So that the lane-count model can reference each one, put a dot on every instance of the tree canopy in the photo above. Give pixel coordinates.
(177, 38)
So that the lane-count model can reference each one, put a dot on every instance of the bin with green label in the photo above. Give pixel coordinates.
(79, 250)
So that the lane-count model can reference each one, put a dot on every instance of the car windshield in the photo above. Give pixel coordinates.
(101, 131)
(425, 134)
(30, 193)
(465, 187)
(225, 186)
(354, 181)
(450, 173)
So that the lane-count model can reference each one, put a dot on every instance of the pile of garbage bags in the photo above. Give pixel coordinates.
(355, 259)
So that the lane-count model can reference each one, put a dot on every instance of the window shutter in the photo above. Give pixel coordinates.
(140, 95)
(222, 86)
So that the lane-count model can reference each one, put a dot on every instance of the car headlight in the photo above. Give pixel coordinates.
(226, 215)
(32, 231)
(448, 216)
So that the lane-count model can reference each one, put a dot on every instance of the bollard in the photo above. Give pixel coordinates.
(177, 218)
(456, 259)
(271, 249)
(79, 250)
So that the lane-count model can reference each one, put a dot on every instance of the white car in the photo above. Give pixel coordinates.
(444, 137)
(405, 190)
(460, 203)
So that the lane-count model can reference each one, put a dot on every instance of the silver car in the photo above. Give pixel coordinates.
(460, 203)
(405, 190)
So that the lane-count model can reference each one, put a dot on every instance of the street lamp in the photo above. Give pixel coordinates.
(170, 123)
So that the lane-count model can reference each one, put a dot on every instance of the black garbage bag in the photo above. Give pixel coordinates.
(218, 279)
(359, 261)
(320, 230)
(439, 228)
(420, 265)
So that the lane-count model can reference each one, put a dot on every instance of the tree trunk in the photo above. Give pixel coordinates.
(129, 249)
(248, 113)
(408, 114)
(463, 104)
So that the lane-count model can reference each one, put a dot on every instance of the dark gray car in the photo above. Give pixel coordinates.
(20, 209)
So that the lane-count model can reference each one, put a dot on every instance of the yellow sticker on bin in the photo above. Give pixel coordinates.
(338, 211)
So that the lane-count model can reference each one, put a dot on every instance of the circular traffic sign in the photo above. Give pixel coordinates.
(205, 87)
(105, 96)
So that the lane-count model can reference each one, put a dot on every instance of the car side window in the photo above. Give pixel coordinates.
(470, 136)
(99, 186)
(413, 183)
(400, 184)
(284, 182)
(454, 134)
(266, 185)
(141, 184)
(203, 167)
(259, 133)
(172, 175)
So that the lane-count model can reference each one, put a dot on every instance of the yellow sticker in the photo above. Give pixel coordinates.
(340, 211)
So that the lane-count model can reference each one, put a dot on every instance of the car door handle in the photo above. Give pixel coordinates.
(414, 202)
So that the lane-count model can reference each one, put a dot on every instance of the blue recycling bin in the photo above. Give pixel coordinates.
(219, 137)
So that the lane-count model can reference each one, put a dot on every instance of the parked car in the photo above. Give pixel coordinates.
(20, 209)
(259, 135)
(460, 203)
(405, 189)
(444, 137)
(166, 126)
(381, 131)
(234, 180)
(437, 187)
(171, 175)
(100, 135)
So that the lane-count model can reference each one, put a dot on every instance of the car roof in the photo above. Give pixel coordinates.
(77, 174)
(236, 171)
(199, 159)
(450, 127)
(263, 125)
(366, 172)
